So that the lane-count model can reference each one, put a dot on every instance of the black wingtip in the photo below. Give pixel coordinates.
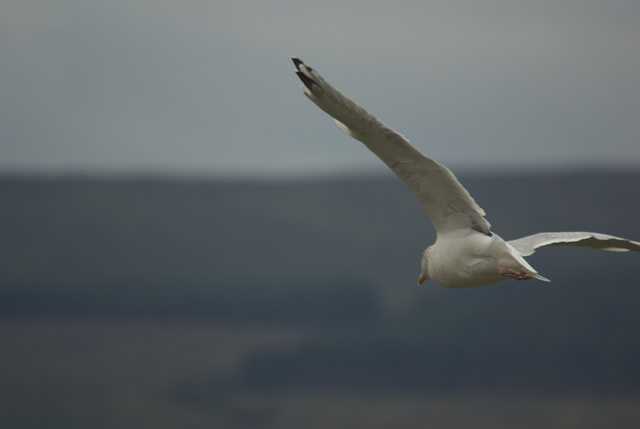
(306, 80)
(297, 61)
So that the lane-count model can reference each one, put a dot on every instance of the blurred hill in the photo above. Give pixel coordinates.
(331, 254)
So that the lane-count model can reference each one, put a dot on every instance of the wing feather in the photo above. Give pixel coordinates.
(528, 245)
(447, 203)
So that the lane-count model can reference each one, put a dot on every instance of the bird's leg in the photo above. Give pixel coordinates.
(514, 274)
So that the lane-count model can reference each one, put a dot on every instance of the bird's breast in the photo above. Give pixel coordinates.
(463, 262)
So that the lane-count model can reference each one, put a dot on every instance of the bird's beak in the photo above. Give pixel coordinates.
(421, 279)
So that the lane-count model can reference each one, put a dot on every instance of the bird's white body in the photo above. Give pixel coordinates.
(469, 258)
(466, 252)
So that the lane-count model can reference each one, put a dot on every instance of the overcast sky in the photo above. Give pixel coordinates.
(207, 87)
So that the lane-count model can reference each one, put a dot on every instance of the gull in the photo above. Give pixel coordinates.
(466, 252)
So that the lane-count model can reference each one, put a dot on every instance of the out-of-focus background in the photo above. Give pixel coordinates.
(186, 241)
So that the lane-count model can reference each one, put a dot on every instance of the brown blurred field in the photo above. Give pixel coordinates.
(132, 374)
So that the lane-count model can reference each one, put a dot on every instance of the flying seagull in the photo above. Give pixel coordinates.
(466, 253)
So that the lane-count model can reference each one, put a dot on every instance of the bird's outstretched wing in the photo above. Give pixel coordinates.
(447, 203)
(527, 245)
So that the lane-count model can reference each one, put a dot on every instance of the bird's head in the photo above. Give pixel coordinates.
(424, 264)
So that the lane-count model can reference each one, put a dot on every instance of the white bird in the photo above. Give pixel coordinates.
(466, 253)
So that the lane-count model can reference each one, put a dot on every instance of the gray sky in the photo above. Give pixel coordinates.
(207, 87)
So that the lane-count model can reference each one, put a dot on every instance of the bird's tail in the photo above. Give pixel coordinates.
(539, 277)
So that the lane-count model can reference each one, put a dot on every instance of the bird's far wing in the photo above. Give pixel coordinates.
(527, 245)
(447, 203)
